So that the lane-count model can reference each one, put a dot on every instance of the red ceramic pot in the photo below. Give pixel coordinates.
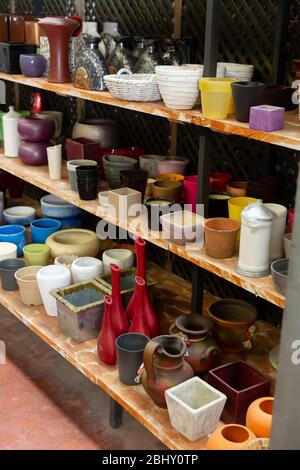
(220, 181)
(291, 216)
(190, 191)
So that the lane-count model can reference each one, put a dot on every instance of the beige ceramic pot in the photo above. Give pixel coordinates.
(29, 291)
(220, 237)
(168, 189)
(78, 242)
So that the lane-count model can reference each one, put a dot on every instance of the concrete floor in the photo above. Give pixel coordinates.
(47, 404)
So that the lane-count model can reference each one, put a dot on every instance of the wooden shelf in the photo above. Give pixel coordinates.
(38, 176)
(172, 298)
(289, 137)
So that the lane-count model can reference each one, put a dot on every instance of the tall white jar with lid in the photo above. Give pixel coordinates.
(11, 136)
(255, 242)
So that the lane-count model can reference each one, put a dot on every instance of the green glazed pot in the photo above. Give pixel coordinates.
(37, 254)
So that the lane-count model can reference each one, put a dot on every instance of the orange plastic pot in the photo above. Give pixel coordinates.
(230, 437)
(259, 416)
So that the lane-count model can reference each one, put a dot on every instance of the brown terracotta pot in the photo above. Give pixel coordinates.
(220, 237)
(165, 367)
(203, 352)
(259, 416)
(230, 437)
(232, 319)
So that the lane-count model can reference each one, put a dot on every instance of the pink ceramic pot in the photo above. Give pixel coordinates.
(291, 216)
(190, 191)
(173, 165)
(220, 181)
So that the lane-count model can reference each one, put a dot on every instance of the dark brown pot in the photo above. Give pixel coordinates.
(165, 367)
(203, 352)
(232, 320)
(59, 31)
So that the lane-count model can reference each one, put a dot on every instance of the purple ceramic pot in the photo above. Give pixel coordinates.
(34, 153)
(32, 65)
(36, 130)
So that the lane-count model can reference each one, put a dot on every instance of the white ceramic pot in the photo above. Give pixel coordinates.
(86, 268)
(11, 136)
(195, 408)
(103, 131)
(54, 155)
(7, 251)
(122, 258)
(49, 278)
(278, 230)
(66, 261)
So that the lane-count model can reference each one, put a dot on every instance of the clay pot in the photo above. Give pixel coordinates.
(36, 130)
(230, 437)
(237, 188)
(203, 352)
(29, 291)
(167, 189)
(34, 153)
(220, 237)
(165, 367)
(259, 416)
(176, 165)
(232, 320)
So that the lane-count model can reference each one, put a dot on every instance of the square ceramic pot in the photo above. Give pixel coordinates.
(81, 149)
(194, 408)
(121, 201)
(80, 310)
(242, 384)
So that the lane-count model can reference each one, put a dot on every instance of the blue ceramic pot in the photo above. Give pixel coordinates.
(56, 208)
(41, 229)
(71, 222)
(19, 215)
(14, 234)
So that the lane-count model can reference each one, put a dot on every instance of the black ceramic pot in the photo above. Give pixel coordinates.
(87, 171)
(130, 354)
(246, 95)
(135, 179)
(218, 205)
(157, 207)
(87, 182)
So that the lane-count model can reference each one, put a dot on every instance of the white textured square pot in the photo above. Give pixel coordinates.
(195, 408)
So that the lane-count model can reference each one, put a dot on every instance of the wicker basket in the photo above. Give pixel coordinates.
(133, 87)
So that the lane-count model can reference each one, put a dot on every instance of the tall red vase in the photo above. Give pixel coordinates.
(106, 342)
(120, 322)
(144, 320)
(140, 248)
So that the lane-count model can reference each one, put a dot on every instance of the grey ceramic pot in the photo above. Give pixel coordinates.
(8, 267)
(113, 164)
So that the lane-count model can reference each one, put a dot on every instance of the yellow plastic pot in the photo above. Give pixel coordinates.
(236, 205)
(216, 97)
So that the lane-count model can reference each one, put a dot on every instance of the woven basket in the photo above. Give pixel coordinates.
(133, 87)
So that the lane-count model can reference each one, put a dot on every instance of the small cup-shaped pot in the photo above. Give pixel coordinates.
(36, 130)
(37, 254)
(72, 165)
(41, 229)
(190, 191)
(259, 416)
(50, 278)
(230, 437)
(220, 237)
(156, 207)
(130, 354)
(135, 179)
(87, 171)
(167, 189)
(170, 177)
(245, 95)
(86, 268)
(29, 291)
(237, 188)
(219, 181)
(87, 182)
(8, 268)
(14, 234)
(218, 204)
(32, 65)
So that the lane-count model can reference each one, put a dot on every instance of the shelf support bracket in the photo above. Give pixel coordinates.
(115, 414)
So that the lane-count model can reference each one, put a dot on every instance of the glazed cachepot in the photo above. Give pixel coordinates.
(259, 416)
(41, 229)
(79, 242)
(230, 437)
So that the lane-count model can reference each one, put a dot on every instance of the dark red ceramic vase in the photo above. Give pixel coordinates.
(144, 320)
(59, 31)
(106, 342)
(120, 322)
(140, 248)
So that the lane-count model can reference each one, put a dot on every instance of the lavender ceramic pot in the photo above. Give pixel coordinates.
(34, 153)
(32, 65)
(36, 130)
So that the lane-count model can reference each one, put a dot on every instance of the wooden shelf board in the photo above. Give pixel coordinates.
(289, 137)
(38, 176)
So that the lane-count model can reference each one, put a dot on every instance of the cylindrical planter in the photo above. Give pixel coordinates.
(216, 97)
(220, 237)
(157, 207)
(72, 165)
(130, 353)
(54, 155)
(230, 437)
(7, 251)
(29, 291)
(259, 416)
(135, 179)
(167, 189)
(190, 191)
(36, 254)
(86, 268)
(236, 205)
(41, 229)
(48, 279)
(87, 182)
(219, 181)
(8, 268)
(218, 204)
(232, 320)
(237, 188)
(245, 95)
(278, 230)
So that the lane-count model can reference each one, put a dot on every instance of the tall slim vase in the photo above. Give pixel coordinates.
(120, 322)
(140, 248)
(106, 342)
(144, 320)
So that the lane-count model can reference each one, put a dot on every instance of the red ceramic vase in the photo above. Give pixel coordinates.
(106, 342)
(145, 320)
(140, 248)
(120, 323)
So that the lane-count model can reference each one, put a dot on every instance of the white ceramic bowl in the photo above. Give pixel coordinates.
(7, 251)
(19, 215)
(122, 258)
(86, 268)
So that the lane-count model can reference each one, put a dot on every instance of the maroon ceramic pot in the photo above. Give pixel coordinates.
(36, 130)
(34, 153)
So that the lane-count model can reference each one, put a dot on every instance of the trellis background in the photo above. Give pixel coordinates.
(246, 36)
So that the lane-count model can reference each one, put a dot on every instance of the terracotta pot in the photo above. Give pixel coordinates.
(259, 416)
(106, 342)
(237, 188)
(220, 237)
(165, 367)
(232, 320)
(203, 352)
(230, 437)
